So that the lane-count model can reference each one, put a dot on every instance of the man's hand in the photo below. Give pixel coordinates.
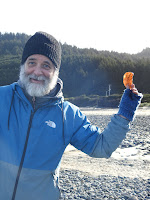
(134, 89)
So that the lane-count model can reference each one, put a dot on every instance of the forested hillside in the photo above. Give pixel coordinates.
(83, 71)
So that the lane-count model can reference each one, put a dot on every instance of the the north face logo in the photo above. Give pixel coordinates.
(51, 124)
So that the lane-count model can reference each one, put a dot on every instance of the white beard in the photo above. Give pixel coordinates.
(34, 89)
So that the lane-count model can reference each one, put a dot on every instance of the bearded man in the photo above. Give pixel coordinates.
(36, 125)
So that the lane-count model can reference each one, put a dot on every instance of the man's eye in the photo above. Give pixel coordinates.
(46, 66)
(31, 63)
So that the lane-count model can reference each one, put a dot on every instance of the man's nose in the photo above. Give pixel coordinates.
(38, 71)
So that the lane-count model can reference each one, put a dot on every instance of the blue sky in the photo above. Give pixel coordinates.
(113, 25)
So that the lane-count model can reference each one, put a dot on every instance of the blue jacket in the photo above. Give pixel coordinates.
(32, 143)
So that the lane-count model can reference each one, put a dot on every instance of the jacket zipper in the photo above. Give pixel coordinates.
(23, 156)
(33, 101)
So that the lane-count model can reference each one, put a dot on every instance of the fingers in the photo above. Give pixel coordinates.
(134, 89)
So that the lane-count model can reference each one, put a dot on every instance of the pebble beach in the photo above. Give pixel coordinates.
(125, 175)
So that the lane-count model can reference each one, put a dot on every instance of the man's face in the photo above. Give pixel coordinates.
(38, 75)
(39, 65)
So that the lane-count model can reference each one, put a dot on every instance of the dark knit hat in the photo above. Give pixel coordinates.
(44, 44)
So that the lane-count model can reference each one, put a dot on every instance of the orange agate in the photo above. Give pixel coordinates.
(128, 79)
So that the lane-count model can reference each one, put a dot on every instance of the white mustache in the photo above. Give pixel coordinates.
(39, 78)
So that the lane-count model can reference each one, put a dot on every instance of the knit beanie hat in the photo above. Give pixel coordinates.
(44, 44)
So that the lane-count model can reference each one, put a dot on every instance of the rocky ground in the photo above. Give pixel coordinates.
(126, 175)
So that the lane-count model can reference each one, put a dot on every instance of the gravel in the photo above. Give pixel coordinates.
(80, 185)
(82, 177)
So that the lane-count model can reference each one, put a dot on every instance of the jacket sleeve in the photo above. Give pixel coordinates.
(91, 141)
(109, 140)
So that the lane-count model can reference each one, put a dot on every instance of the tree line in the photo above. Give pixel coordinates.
(83, 71)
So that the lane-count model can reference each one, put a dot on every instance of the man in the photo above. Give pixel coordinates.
(36, 125)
